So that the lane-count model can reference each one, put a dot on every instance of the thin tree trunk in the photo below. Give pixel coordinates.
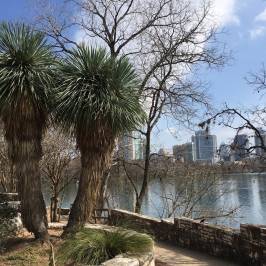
(140, 198)
(54, 210)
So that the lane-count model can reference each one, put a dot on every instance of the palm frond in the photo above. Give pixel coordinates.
(26, 70)
(93, 87)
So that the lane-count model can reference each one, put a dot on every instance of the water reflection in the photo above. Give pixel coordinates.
(246, 190)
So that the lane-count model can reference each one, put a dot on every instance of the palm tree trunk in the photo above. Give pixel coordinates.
(95, 158)
(23, 138)
(33, 211)
(88, 191)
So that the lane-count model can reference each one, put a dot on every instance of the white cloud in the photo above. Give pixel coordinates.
(224, 12)
(257, 32)
(80, 36)
(261, 16)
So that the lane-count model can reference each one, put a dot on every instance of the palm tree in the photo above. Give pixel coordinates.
(97, 100)
(25, 75)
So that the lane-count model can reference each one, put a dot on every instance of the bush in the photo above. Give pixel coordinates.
(90, 246)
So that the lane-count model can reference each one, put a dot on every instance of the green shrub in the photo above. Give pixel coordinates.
(93, 247)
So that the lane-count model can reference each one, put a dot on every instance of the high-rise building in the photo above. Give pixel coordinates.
(225, 152)
(204, 146)
(257, 140)
(139, 146)
(184, 152)
(131, 146)
(240, 147)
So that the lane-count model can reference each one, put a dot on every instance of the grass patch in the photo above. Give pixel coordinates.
(28, 254)
(90, 246)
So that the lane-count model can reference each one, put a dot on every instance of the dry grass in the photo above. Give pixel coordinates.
(24, 251)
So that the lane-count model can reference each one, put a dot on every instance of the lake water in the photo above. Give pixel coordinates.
(247, 191)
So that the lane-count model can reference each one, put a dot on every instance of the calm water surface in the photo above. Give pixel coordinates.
(248, 191)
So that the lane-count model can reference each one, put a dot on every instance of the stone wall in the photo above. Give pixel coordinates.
(246, 246)
(5, 197)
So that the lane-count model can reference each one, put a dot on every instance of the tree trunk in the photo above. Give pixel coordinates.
(88, 191)
(23, 138)
(33, 210)
(54, 210)
(140, 198)
(96, 153)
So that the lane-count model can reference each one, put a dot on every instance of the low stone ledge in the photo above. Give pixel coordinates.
(4, 197)
(136, 215)
(56, 226)
(144, 223)
(247, 245)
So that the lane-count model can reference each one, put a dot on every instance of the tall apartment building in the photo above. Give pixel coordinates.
(258, 142)
(184, 152)
(240, 146)
(204, 147)
(131, 146)
(225, 152)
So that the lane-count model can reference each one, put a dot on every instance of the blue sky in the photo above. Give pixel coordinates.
(245, 35)
(244, 22)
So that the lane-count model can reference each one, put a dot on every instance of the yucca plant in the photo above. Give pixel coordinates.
(25, 78)
(93, 247)
(97, 100)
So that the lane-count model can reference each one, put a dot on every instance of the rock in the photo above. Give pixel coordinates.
(16, 222)
(10, 217)
(121, 262)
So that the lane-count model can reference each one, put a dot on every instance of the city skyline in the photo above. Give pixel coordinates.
(236, 150)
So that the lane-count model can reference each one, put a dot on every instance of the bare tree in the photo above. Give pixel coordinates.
(164, 39)
(250, 120)
(196, 194)
(59, 152)
(179, 189)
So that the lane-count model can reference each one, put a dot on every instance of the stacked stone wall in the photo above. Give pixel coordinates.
(246, 246)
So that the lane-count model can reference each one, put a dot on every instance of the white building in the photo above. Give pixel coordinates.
(131, 146)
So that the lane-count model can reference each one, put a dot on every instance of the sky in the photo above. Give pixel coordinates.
(244, 25)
